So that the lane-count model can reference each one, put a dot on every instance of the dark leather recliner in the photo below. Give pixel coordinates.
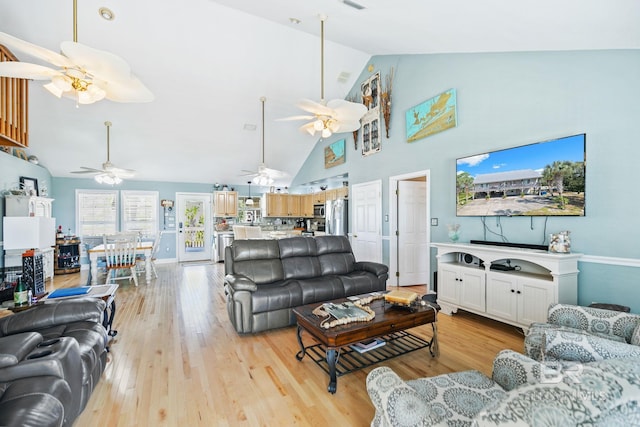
(62, 340)
(266, 279)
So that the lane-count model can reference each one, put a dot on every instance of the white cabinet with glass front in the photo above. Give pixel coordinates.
(520, 293)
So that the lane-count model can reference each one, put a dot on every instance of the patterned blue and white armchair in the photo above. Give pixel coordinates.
(520, 392)
(583, 334)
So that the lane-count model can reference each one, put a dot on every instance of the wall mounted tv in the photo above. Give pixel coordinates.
(542, 179)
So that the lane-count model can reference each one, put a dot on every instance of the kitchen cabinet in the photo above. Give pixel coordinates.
(319, 198)
(342, 193)
(330, 195)
(306, 205)
(225, 203)
(282, 205)
(519, 296)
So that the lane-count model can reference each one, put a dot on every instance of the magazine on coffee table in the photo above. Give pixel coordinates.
(345, 310)
(368, 345)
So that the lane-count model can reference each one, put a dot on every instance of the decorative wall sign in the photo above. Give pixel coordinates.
(370, 90)
(432, 116)
(334, 154)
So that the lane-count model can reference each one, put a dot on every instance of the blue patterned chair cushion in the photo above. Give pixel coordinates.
(449, 399)
(584, 347)
(606, 324)
(602, 393)
(635, 337)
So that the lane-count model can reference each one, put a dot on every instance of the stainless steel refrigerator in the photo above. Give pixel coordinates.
(337, 217)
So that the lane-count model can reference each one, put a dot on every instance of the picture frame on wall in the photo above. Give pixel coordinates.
(29, 185)
(334, 154)
(432, 116)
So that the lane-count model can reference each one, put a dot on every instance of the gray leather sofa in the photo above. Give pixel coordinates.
(51, 358)
(266, 279)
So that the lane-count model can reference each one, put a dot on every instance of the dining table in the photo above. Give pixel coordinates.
(143, 248)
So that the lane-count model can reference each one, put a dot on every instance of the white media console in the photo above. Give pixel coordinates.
(518, 296)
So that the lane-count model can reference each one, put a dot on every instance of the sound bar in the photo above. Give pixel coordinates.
(510, 245)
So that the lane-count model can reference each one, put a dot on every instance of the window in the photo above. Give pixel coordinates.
(96, 212)
(140, 212)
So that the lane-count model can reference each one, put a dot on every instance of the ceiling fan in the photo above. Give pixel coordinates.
(264, 175)
(335, 116)
(82, 73)
(109, 174)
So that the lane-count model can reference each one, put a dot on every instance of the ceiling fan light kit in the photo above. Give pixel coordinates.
(109, 174)
(335, 116)
(82, 73)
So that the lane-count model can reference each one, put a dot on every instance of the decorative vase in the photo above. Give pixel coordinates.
(560, 242)
(454, 232)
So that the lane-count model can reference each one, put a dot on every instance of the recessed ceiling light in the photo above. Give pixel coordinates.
(249, 126)
(294, 20)
(106, 13)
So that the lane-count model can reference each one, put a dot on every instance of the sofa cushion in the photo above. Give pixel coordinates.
(321, 289)
(276, 296)
(259, 260)
(35, 402)
(334, 254)
(360, 282)
(299, 260)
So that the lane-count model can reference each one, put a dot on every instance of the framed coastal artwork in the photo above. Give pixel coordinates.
(432, 116)
(334, 154)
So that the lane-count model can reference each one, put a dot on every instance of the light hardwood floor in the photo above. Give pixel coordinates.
(177, 361)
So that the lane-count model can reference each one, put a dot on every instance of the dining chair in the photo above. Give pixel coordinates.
(120, 253)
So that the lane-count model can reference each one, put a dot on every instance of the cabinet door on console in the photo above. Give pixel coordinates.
(502, 295)
(534, 300)
(472, 293)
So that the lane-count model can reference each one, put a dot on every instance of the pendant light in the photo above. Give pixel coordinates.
(249, 201)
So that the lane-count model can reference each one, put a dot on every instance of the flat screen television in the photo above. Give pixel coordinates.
(542, 179)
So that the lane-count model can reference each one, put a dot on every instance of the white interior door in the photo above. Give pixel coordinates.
(413, 248)
(193, 211)
(366, 221)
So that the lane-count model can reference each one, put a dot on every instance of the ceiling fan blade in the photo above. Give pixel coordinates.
(274, 173)
(347, 111)
(36, 51)
(129, 90)
(88, 170)
(99, 63)
(24, 70)
(314, 107)
(291, 118)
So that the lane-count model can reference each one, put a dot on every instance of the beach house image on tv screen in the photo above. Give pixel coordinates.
(542, 179)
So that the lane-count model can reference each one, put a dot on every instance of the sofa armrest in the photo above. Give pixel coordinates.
(239, 282)
(511, 370)
(372, 267)
(14, 348)
(53, 314)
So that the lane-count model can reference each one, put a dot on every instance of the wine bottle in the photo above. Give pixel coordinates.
(20, 294)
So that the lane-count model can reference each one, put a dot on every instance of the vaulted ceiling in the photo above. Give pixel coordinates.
(209, 62)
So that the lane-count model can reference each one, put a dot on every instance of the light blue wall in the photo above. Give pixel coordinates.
(510, 99)
(64, 193)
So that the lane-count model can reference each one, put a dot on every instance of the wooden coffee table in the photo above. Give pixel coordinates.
(333, 352)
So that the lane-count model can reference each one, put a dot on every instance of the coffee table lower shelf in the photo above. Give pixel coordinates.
(349, 360)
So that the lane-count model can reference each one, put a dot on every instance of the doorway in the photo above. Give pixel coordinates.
(409, 248)
(194, 237)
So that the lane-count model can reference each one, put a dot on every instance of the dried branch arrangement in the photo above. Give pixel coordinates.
(354, 98)
(386, 100)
